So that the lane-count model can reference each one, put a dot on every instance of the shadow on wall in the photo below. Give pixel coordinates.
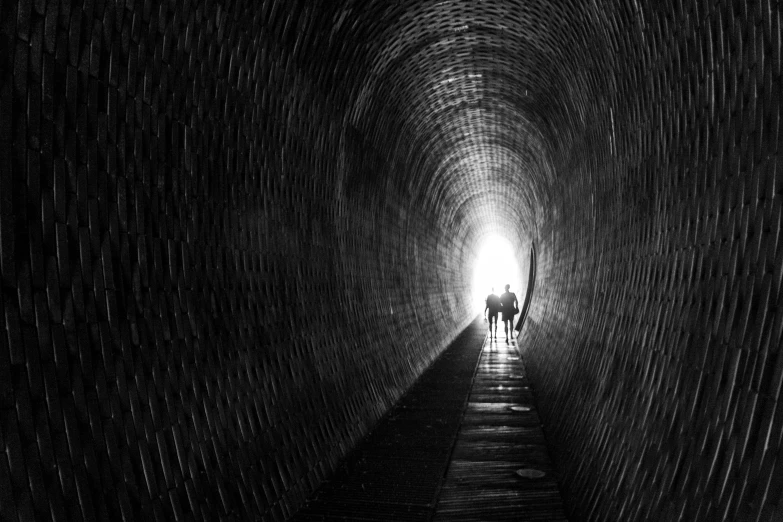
(531, 282)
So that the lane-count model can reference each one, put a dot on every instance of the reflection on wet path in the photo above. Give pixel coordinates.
(500, 468)
(464, 443)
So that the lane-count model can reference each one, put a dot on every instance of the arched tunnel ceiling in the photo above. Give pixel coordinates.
(232, 234)
(482, 92)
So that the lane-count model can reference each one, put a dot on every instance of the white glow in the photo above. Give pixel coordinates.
(495, 268)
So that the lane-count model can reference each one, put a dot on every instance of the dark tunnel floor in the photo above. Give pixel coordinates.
(450, 449)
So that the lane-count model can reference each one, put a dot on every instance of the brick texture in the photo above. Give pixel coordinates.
(232, 233)
(655, 332)
(203, 287)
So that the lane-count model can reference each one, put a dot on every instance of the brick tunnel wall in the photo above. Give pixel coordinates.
(232, 234)
(655, 332)
(205, 300)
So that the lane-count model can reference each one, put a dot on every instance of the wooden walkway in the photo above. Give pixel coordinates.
(464, 443)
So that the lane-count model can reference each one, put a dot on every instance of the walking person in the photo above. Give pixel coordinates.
(493, 306)
(509, 307)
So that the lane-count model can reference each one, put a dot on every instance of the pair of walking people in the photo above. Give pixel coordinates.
(507, 304)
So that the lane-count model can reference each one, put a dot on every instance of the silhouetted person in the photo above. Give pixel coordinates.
(509, 303)
(493, 305)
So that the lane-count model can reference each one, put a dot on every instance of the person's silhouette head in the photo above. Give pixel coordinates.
(507, 287)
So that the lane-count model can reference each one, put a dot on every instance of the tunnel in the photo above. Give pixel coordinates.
(234, 233)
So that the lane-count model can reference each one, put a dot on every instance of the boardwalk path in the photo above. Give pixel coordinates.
(450, 449)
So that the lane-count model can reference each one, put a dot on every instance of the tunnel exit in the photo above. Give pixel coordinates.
(495, 267)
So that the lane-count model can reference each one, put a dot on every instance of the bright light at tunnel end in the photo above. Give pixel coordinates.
(495, 267)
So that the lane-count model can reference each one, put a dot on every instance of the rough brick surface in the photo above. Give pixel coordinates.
(655, 333)
(202, 285)
(232, 233)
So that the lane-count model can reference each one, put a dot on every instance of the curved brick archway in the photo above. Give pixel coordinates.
(233, 233)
